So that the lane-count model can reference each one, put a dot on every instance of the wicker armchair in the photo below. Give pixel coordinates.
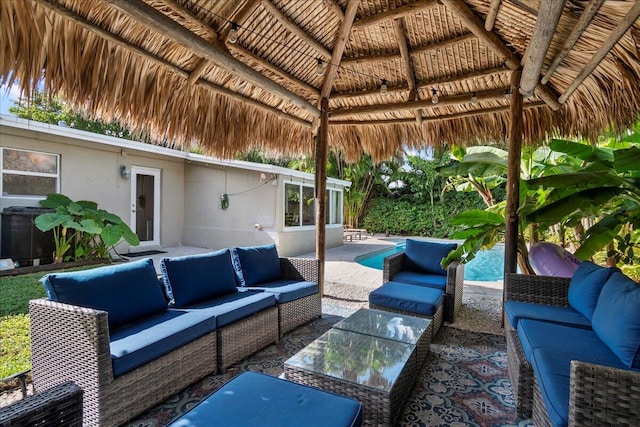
(302, 310)
(60, 405)
(455, 282)
(599, 395)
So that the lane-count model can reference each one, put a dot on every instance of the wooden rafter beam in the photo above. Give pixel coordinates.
(275, 70)
(397, 13)
(419, 50)
(196, 73)
(335, 8)
(191, 18)
(408, 68)
(214, 51)
(546, 24)
(583, 22)
(163, 63)
(338, 50)
(423, 85)
(465, 98)
(453, 116)
(490, 21)
(613, 38)
(499, 47)
(295, 29)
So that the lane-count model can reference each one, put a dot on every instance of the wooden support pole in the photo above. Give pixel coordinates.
(546, 24)
(321, 188)
(516, 127)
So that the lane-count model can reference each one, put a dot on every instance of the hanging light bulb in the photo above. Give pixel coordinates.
(507, 93)
(319, 67)
(434, 96)
(383, 88)
(474, 99)
(233, 34)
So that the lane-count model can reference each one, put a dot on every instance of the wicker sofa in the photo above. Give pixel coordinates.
(112, 331)
(60, 405)
(419, 264)
(573, 347)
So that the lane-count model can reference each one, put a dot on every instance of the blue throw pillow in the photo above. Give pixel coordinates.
(258, 264)
(194, 278)
(616, 319)
(426, 257)
(128, 291)
(586, 285)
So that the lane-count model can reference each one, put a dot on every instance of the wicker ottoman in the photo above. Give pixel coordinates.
(255, 399)
(412, 300)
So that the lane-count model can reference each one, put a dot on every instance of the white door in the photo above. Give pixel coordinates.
(145, 205)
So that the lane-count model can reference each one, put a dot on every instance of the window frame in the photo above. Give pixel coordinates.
(332, 221)
(4, 171)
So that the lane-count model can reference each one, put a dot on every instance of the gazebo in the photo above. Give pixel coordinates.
(353, 76)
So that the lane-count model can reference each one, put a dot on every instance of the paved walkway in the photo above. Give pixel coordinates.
(341, 266)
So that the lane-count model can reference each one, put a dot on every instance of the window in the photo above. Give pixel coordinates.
(300, 207)
(29, 173)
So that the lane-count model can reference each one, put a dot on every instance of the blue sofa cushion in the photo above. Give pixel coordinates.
(616, 318)
(436, 281)
(401, 296)
(553, 371)
(128, 291)
(586, 285)
(192, 278)
(516, 310)
(426, 256)
(255, 399)
(288, 290)
(148, 339)
(257, 264)
(233, 307)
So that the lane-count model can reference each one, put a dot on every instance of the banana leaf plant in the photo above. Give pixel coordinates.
(81, 226)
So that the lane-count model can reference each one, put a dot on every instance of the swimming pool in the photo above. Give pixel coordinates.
(487, 266)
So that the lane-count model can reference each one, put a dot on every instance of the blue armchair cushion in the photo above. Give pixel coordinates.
(127, 291)
(616, 318)
(288, 290)
(192, 278)
(413, 299)
(436, 281)
(256, 399)
(257, 264)
(425, 256)
(150, 338)
(230, 308)
(586, 285)
(517, 310)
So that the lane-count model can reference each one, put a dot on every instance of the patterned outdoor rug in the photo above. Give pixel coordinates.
(464, 381)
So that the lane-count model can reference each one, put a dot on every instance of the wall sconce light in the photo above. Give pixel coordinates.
(125, 172)
(257, 226)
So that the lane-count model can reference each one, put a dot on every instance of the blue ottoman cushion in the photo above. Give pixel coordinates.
(409, 298)
(255, 399)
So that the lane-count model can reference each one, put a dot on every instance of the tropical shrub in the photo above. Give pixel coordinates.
(90, 231)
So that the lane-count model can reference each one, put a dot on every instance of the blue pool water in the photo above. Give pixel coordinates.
(487, 266)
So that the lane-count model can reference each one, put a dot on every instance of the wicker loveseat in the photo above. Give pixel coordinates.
(419, 264)
(573, 347)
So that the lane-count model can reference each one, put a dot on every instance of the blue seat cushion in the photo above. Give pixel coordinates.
(287, 290)
(582, 344)
(553, 371)
(435, 281)
(426, 256)
(192, 278)
(148, 339)
(233, 307)
(516, 310)
(255, 399)
(616, 318)
(409, 298)
(257, 264)
(586, 285)
(127, 291)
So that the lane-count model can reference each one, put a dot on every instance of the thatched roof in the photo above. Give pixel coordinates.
(169, 69)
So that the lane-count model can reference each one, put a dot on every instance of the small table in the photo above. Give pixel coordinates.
(398, 327)
(378, 372)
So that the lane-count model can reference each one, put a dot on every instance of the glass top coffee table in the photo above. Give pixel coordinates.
(371, 356)
(393, 326)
